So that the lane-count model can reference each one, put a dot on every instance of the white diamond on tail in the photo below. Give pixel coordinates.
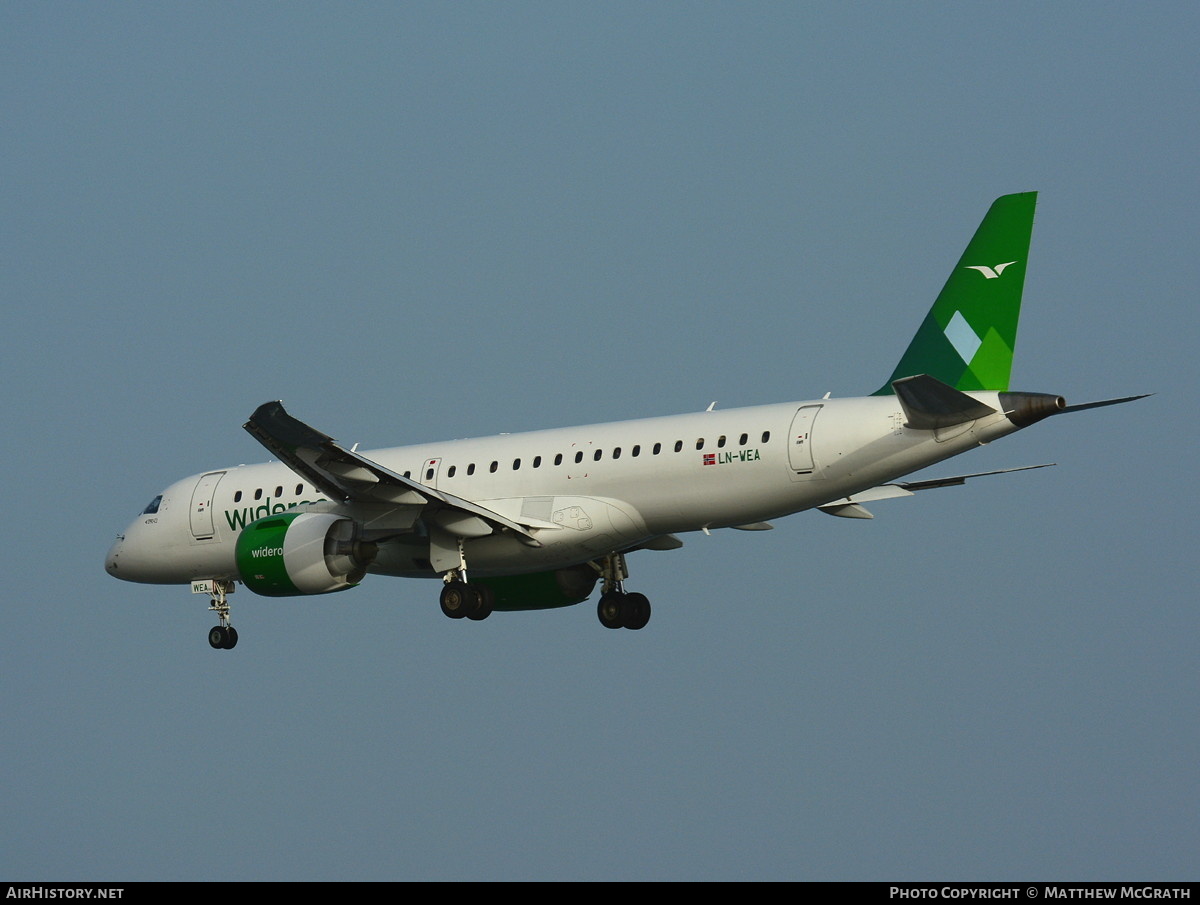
(962, 337)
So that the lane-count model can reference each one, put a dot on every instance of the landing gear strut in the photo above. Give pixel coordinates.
(222, 636)
(618, 609)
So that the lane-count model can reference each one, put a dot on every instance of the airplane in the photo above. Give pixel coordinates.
(534, 520)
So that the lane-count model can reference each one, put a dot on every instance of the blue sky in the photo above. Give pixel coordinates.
(415, 222)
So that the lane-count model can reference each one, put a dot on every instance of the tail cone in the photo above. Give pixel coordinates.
(1024, 409)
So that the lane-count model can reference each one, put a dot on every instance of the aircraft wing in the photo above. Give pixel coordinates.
(346, 476)
(851, 506)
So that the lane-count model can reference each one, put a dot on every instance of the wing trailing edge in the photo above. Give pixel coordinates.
(348, 477)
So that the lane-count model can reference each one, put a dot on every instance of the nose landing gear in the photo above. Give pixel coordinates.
(222, 636)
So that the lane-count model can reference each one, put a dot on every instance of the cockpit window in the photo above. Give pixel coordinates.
(152, 506)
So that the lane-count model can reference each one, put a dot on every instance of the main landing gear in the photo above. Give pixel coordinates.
(618, 609)
(459, 598)
(222, 636)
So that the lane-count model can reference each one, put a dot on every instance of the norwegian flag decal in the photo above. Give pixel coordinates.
(710, 458)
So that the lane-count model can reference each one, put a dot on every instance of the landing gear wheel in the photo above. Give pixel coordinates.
(486, 602)
(458, 599)
(222, 637)
(635, 611)
(610, 608)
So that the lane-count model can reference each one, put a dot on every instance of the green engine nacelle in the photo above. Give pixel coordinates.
(296, 553)
(541, 590)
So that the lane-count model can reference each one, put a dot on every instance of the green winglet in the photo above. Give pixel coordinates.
(967, 339)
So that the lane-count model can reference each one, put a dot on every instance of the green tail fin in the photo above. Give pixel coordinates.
(968, 337)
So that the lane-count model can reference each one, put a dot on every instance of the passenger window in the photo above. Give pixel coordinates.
(237, 498)
(678, 445)
(516, 464)
(558, 459)
(657, 448)
(537, 461)
(721, 442)
(635, 451)
(299, 490)
(258, 494)
(578, 457)
(742, 440)
(700, 443)
(597, 455)
(471, 469)
(492, 468)
(617, 453)
(428, 474)
(278, 492)
(450, 471)
(766, 436)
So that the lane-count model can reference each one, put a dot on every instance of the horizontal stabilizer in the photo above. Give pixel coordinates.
(846, 510)
(872, 494)
(962, 478)
(851, 506)
(930, 404)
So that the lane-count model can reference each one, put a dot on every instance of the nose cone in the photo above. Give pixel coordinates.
(114, 554)
(134, 557)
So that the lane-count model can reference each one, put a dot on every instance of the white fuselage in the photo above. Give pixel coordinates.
(583, 491)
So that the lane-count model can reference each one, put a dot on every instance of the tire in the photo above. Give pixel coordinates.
(216, 637)
(486, 601)
(609, 609)
(635, 611)
(230, 638)
(457, 599)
